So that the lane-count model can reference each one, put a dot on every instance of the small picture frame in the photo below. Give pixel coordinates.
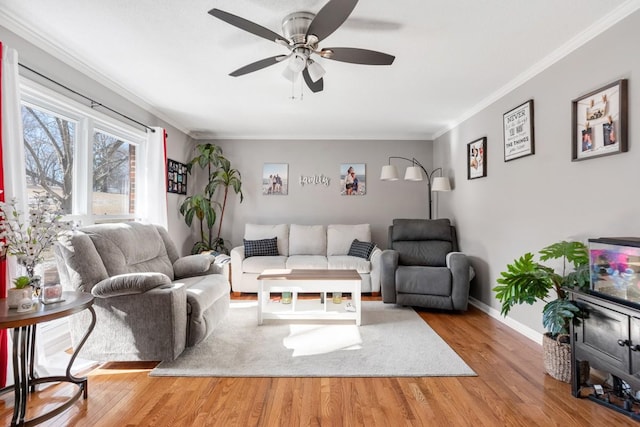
(275, 179)
(599, 122)
(52, 293)
(353, 179)
(477, 158)
(517, 125)
(176, 177)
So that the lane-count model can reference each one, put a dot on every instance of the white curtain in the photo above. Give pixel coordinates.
(15, 184)
(152, 200)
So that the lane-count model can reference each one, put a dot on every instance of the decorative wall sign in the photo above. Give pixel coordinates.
(176, 177)
(353, 179)
(477, 158)
(315, 179)
(518, 132)
(599, 122)
(275, 179)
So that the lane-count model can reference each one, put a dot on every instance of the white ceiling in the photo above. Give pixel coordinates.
(452, 58)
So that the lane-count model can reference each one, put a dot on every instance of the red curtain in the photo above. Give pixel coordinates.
(3, 263)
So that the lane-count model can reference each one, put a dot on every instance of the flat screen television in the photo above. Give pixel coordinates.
(614, 263)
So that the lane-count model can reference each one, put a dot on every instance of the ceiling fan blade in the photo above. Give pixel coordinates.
(258, 65)
(357, 56)
(330, 17)
(246, 25)
(314, 86)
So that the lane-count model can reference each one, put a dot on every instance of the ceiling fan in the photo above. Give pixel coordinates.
(302, 33)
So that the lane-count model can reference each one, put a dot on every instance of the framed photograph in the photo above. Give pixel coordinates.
(353, 179)
(275, 179)
(518, 132)
(477, 158)
(599, 122)
(176, 177)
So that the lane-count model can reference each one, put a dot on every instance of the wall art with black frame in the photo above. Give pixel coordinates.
(176, 177)
(599, 122)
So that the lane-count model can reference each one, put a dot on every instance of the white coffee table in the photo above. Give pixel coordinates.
(309, 281)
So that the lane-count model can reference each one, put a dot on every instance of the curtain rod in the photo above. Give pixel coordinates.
(93, 102)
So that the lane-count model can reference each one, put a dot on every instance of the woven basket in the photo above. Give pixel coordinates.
(557, 359)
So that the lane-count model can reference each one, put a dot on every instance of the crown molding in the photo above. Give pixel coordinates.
(10, 22)
(574, 43)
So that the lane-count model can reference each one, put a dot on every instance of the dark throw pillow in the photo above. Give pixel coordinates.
(361, 249)
(264, 247)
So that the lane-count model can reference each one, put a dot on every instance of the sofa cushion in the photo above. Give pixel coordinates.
(307, 240)
(421, 229)
(261, 231)
(263, 247)
(307, 262)
(346, 262)
(340, 237)
(130, 248)
(258, 264)
(423, 280)
(361, 249)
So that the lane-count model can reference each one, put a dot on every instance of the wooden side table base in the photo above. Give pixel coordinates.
(24, 344)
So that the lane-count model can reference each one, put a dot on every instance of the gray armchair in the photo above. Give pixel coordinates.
(150, 303)
(423, 267)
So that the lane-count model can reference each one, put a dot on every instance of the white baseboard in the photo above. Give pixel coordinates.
(513, 324)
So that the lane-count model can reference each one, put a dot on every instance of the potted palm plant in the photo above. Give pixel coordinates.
(527, 281)
(203, 205)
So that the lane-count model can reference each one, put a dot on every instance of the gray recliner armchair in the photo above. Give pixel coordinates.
(150, 303)
(423, 267)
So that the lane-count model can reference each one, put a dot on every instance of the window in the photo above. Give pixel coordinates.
(81, 157)
(49, 141)
(113, 175)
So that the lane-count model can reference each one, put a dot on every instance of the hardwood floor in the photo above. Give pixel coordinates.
(511, 389)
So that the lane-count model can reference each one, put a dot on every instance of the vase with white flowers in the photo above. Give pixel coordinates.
(29, 237)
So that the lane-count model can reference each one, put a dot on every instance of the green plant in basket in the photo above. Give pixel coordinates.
(527, 280)
(21, 282)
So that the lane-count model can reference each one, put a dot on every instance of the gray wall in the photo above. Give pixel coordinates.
(319, 204)
(178, 144)
(528, 203)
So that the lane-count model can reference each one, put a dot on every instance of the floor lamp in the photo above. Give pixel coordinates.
(413, 173)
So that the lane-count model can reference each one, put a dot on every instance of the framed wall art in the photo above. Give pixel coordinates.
(518, 132)
(477, 158)
(275, 179)
(176, 177)
(353, 179)
(599, 122)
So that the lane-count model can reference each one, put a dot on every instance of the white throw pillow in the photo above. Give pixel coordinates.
(340, 237)
(307, 240)
(264, 231)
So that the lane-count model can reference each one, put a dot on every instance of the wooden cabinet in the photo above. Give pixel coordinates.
(607, 335)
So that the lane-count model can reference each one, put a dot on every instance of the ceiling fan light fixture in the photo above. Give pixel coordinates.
(316, 71)
(292, 76)
(297, 63)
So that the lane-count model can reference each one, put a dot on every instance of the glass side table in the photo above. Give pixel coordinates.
(24, 344)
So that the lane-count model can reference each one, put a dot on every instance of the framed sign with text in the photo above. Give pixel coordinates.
(518, 132)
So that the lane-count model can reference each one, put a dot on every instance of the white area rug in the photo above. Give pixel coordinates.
(393, 341)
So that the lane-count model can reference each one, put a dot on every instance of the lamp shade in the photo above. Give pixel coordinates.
(413, 173)
(292, 76)
(441, 183)
(389, 173)
(315, 71)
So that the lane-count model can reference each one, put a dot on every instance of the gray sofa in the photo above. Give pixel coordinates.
(150, 303)
(423, 267)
